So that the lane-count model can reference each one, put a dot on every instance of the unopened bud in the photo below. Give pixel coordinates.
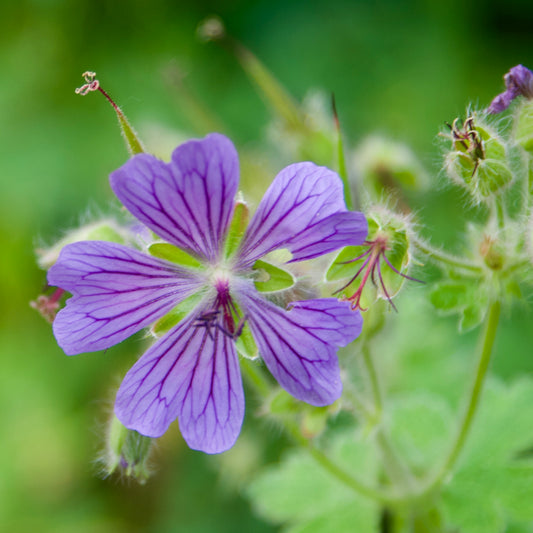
(103, 230)
(127, 452)
(492, 252)
(383, 165)
(478, 159)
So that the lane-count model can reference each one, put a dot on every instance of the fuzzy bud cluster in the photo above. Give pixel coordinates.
(478, 159)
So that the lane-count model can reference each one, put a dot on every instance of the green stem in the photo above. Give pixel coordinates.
(487, 344)
(133, 144)
(263, 387)
(500, 212)
(341, 161)
(397, 471)
(325, 462)
(374, 383)
(445, 258)
(256, 377)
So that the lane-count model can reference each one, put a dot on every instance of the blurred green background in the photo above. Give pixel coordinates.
(396, 67)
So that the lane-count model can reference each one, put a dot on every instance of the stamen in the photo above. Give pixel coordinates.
(372, 270)
(222, 315)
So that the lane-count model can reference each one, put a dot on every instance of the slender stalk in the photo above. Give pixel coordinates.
(500, 212)
(325, 462)
(263, 387)
(256, 377)
(487, 343)
(341, 161)
(396, 470)
(374, 383)
(445, 258)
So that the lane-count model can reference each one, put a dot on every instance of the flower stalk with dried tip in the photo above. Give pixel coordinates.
(192, 372)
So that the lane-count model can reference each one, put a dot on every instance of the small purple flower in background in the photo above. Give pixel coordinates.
(518, 82)
(192, 372)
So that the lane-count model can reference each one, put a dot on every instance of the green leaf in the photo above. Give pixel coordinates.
(171, 253)
(493, 482)
(309, 499)
(448, 296)
(473, 315)
(271, 278)
(467, 298)
(420, 428)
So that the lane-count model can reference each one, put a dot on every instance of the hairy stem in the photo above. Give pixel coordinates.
(487, 343)
(263, 388)
(445, 258)
(328, 464)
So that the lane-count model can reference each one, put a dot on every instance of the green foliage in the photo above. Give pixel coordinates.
(493, 482)
(307, 499)
(467, 298)
(420, 428)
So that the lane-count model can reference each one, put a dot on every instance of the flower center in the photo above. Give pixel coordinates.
(223, 314)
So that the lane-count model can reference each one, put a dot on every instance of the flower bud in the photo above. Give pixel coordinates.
(127, 452)
(102, 230)
(478, 159)
(383, 164)
(492, 252)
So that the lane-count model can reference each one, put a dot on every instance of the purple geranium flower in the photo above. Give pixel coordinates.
(192, 372)
(518, 82)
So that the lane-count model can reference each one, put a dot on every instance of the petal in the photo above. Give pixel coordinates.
(295, 214)
(299, 346)
(190, 374)
(188, 201)
(503, 101)
(116, 291)
(334, 232)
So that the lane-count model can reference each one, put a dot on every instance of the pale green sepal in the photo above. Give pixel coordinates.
(271, 278)
(246, 345)
(104, 230)
(237, 228)
(127, 452)
(341, 268)
(282, 403)
(172, 318)
(523, 127)
(169, 252)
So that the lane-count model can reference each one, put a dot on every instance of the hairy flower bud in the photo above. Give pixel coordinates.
(102, 230)
(383, 164)
(478, 160)
(127, 452)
